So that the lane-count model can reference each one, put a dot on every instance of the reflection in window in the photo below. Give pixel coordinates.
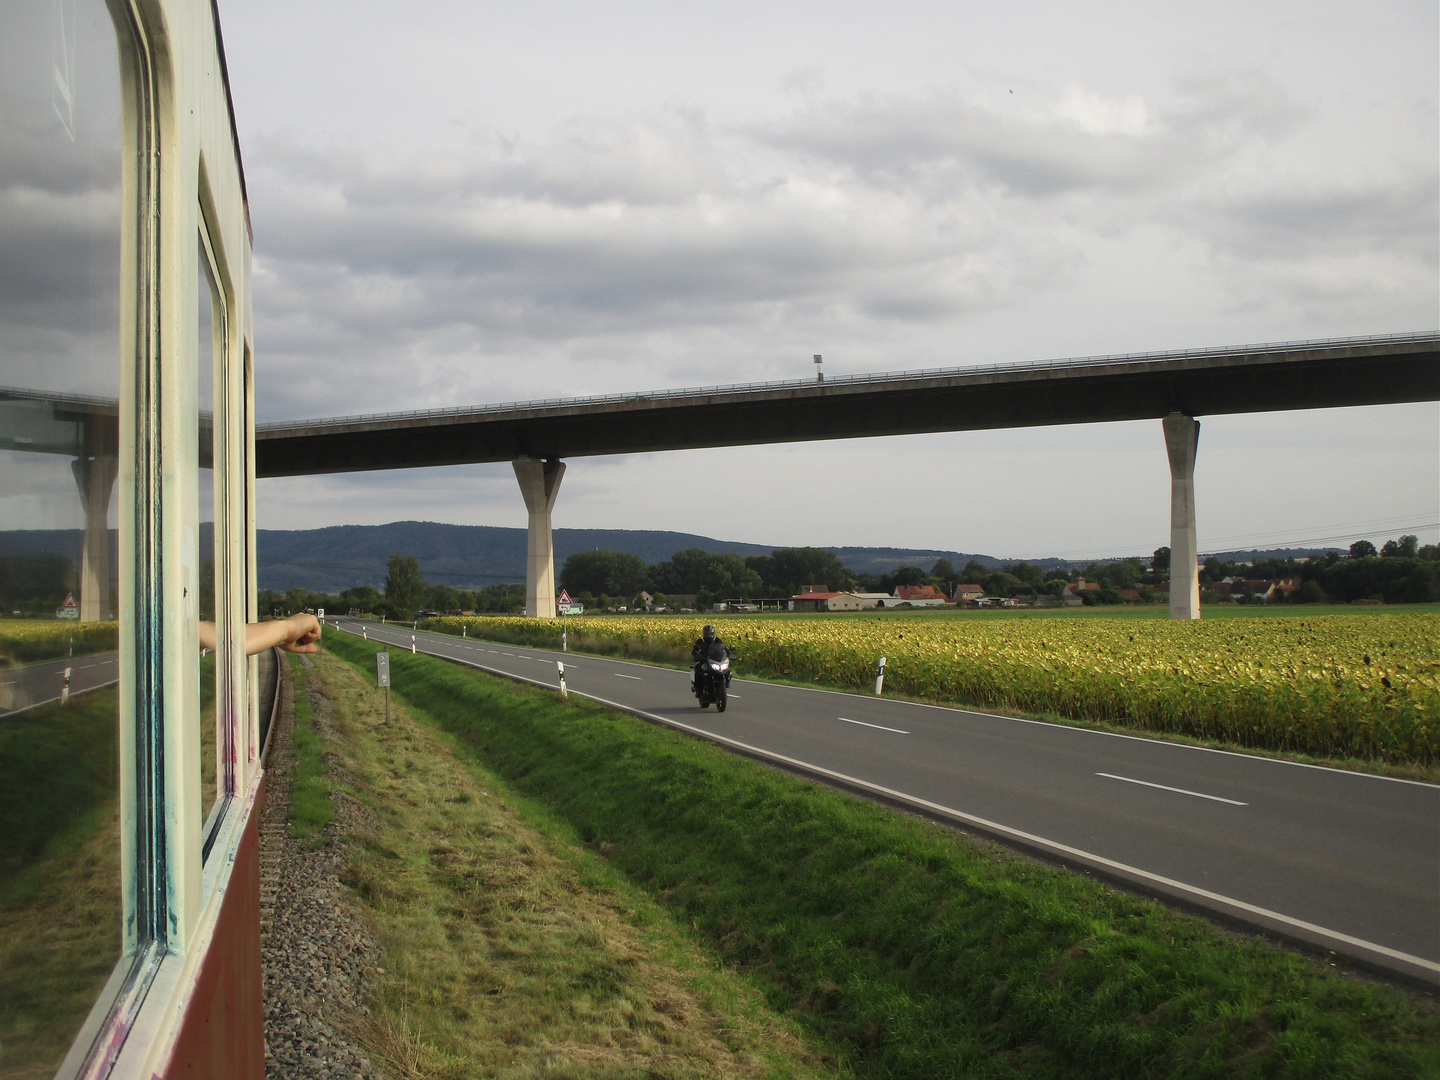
(209, 348)
(60, 161)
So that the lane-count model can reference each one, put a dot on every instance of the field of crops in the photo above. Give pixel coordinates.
(26, 641)
(1335, 686)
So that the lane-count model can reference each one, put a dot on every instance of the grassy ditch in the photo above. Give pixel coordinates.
(921, 952)
(510, 951)
(310, 809)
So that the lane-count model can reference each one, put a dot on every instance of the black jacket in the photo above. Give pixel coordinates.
(702, 647)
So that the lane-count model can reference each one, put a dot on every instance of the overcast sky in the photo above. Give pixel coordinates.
(461, 203)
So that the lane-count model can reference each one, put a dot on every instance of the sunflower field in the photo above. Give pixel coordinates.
(25, 641)
(1335, 686)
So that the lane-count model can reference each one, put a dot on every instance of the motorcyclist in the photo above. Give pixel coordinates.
(701, 652)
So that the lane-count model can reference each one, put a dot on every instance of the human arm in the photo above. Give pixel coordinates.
(298, 633)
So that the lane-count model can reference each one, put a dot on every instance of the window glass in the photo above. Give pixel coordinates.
(60, 206)
(209, 350)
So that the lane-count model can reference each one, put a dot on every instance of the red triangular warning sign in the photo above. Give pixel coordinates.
(564, 597)
(69, 602)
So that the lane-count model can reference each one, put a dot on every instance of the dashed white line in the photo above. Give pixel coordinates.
(877, 727)
(636, 678)
(1177, 790)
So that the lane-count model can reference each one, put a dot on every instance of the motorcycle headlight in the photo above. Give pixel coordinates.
(719, 665)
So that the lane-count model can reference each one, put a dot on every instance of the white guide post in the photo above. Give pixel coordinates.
(539, 484)
(95, 477)
(1182, 436)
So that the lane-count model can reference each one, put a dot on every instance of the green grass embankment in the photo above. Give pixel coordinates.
(922, 952)
(509, 950)
(310, 809)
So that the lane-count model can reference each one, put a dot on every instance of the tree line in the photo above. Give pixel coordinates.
(604, 578)
(406, 595)
(1400, 571)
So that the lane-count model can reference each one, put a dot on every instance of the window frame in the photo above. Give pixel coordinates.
(171, 893)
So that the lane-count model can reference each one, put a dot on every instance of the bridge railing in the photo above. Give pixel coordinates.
(912, 375)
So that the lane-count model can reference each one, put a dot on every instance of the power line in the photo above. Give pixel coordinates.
(1256, 541)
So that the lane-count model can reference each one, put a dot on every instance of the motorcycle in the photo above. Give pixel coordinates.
(711, 678)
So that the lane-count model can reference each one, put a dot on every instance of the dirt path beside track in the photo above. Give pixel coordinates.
(316, 952)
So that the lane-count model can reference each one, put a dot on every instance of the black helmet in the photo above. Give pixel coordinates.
(708, 633)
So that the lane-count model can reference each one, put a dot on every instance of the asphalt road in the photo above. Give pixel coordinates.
(1343, 860)
(34, 684)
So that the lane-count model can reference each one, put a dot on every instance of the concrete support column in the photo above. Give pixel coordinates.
(95, 477)
(1182, 436)
(539, 484)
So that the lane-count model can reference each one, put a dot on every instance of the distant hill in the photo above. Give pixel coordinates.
(465, 556)
(473, 556)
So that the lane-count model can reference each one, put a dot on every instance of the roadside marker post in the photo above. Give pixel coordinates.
(412, 644)
(462, 631)
(382, 674)
(365, 632)
(65, 690)
(880, 677)
(560, 665)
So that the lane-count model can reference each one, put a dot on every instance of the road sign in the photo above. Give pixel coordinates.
(69, 609)
(563, 600)
(382, 666)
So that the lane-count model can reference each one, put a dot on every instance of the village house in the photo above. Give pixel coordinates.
(1074, 594)
(812, 601)
(1265, 590)
(874, 599)
(919, 595)
(968, 594)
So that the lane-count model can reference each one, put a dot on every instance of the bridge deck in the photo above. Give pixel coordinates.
(1265, 378)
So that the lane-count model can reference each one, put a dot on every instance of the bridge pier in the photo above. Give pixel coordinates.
(95, 477)
(1182, 436)
(539, 484)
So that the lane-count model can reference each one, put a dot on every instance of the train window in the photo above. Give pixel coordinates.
(209, 422)
(252, 612)
(60, 362)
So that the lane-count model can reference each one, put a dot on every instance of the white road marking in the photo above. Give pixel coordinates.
(877, 727)
(1177, 790)
(636, 678)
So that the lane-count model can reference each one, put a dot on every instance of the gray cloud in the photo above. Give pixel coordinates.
(874, 214)
(1079, 142)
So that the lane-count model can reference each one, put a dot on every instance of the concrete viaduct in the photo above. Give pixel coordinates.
(1174, 388)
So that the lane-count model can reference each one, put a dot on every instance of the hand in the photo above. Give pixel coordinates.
(302, 632)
